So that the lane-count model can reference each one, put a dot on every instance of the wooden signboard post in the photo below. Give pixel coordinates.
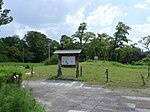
(69, 59)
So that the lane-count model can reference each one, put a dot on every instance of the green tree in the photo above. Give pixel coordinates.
(104, 45)
(89, 36)
(80, 33)
(145, 41)
(66, 42)
(120, 37)
(11, 41)
(10, 48)
(13, 53)
(128, 54)
(36, 43)
(4, 18)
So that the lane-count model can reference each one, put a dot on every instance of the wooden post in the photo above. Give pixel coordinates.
(107, 75)
(142, 77)
(77, 66)
(148, 70)
(80, 70)
(59, 72)
(32, 71)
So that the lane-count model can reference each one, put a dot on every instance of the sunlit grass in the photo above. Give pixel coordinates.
(120, 75)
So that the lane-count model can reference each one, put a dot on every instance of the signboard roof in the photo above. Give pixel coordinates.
(67, 52)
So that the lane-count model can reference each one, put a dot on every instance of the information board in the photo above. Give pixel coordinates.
(68, 60)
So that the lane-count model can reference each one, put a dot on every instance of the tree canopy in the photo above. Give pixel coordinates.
(4, 18)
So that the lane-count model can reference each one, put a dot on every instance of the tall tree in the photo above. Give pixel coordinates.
(89, 36)
(120, 37)
(145, 41)
(4, 18)
(66, 42)
(80, 33)
(36, 43)
(11, 48)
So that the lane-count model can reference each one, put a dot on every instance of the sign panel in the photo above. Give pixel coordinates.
(68, 60)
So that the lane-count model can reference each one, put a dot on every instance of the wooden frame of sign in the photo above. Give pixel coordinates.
(69, 59)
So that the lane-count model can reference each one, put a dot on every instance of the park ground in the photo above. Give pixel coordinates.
(124, 91)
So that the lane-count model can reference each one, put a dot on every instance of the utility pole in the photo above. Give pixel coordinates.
(23, 56)
(49, 53)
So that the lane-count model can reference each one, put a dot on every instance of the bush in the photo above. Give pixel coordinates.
(137, 63)
(53, 60)
(144, 61)
(3, 58)
(16, 99)
(10, 75)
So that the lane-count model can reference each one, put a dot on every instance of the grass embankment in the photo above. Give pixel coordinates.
(120, 75)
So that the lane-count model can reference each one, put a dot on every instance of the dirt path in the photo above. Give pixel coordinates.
(73, 96)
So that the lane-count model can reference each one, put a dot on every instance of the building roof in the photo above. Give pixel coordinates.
(67, 52)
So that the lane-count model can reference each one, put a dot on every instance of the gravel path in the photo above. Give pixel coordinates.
(73, 96)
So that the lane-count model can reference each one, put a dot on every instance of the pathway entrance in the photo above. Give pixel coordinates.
(73, 96)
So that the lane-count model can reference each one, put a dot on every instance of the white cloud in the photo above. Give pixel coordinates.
(147, 1)
(138, 31)
(15, 28)
(75, 19)
(144, 5)
(106, 30)
(104, 15)
(148, 19)
(50, 17)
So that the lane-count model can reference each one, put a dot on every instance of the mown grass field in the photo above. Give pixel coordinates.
(120, 75)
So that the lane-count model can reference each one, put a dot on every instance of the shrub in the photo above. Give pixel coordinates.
(27, 67)
(53, 60)
(137, 63)
(144, 61)
(16, 99)
(10, 75)
(3, 58)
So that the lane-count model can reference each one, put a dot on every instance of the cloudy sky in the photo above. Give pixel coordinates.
(57, 17)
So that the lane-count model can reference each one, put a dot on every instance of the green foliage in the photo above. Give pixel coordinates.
(144, 61)
(10, 75)
(120, 37)
(36, 43)
(80, 33)
(66, 43)
(35, 47)
(4, 18)
(53, 60)
(145, 41)
(16, 99)
(3, 58)
(128, 54)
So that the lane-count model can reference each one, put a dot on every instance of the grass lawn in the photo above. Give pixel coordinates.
(124, 76)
